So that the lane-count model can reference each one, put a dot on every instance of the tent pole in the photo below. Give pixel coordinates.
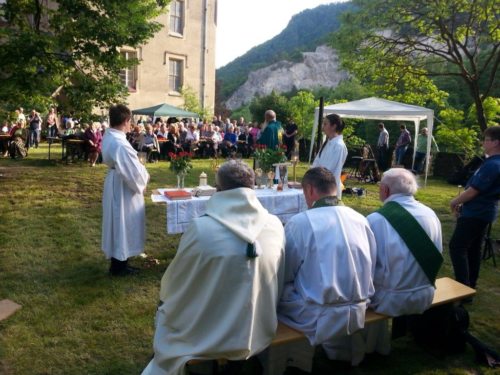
(320, 121)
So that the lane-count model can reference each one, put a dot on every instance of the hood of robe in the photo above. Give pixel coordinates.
(239, 211)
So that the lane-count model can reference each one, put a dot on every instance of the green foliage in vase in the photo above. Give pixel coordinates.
(266, 157)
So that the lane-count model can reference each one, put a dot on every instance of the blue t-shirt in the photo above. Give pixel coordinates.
(231, 137)
(487, 181)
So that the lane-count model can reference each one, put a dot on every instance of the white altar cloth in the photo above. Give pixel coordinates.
(283, 204)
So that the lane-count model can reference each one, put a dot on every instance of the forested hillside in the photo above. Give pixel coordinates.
(304, 32)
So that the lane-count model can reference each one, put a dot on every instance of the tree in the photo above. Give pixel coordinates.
(70, 49)
(192, 104)
(277, 102)
(301, 108)
(400, 45)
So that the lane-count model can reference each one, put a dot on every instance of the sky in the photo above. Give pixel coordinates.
(243, 24)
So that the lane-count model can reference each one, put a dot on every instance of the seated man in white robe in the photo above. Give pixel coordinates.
(220, 293)
(328, 270)
(402, 287)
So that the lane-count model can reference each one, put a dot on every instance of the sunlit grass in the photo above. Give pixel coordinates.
(77, 320)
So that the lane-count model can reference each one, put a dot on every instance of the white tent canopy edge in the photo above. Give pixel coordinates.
(381, 109)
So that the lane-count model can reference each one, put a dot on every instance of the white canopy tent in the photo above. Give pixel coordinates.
(381, 109)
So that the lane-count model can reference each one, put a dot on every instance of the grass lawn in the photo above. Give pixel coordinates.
(76, 319)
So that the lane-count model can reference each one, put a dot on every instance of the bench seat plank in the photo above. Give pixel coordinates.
(447, 291)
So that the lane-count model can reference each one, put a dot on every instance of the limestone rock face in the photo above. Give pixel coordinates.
(318, 68)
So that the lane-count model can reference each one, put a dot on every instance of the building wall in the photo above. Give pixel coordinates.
(199, 63)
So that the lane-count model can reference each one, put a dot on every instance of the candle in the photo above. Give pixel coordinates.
(203, 179)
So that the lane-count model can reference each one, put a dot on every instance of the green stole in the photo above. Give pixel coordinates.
(414, 236)
(327, 202)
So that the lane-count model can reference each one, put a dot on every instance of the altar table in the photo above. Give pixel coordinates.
(283, 204)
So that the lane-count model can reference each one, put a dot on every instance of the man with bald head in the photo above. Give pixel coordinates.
(269, 135)
(409, 247)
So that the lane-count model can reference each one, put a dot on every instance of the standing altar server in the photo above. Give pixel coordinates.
(333, 152)
(123, 223)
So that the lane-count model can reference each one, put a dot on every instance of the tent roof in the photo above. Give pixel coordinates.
(164, 110)
(379, 109)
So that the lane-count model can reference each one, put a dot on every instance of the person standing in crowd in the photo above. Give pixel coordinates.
(291, 131)
(35, 124)
(402, 144)
(218, 297)
(476, 208)
(52, 123)
(328, 270)
(269, 135)
(382, 147)
(20, 115)
(333, 152)
(421, 151)
(123, 224)
(93, 137)
(403, 284)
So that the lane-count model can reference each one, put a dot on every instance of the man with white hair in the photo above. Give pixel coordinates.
(269, 136)
(409, 247)
(219, 295)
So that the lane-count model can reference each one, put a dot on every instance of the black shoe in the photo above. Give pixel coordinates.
(121, 268)
(124, 271)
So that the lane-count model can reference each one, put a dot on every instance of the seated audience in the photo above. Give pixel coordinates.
(328, 271)
(19, 136)
(228, 144)
(219, 294)
(93, 138)
(149, 143)
(173, 144)
(192, 138)
(402, 284)
(245, 142)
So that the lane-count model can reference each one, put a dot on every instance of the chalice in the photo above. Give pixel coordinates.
(258, 175)
(270, 179)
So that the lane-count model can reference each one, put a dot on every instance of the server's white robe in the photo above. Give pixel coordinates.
(333, 157)
(328, 273)
(123, 222)
(401, 286)
(217, 302)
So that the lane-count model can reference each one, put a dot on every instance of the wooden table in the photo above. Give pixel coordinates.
(51, 140)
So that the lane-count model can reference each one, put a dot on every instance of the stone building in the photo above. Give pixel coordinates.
(181, 54)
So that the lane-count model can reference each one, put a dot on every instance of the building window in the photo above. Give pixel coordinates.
(128, 76)
(177, 17)
(174, 75)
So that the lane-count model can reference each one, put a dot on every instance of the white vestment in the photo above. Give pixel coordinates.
(328, 274)
(333, 158)
(401, 286)
(123, 219)
(217, 301)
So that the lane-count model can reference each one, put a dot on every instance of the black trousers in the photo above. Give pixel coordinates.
(465, 249)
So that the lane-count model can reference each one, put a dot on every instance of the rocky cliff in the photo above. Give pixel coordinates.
(318, 68)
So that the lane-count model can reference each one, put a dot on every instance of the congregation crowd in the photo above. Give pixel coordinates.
(224, 293)
(157, 137)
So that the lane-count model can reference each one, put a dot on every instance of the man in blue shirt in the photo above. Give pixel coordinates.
(228, 144)
(477, 207)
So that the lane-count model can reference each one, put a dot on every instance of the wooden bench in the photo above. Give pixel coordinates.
(447, 291)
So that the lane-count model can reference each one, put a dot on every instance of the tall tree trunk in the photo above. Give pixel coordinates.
(480, 116)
